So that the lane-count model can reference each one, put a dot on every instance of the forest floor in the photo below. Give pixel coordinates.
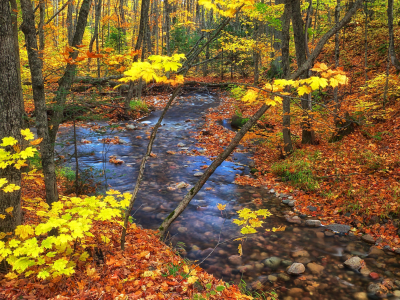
(147, 269)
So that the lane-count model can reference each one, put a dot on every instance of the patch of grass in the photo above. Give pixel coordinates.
(138, 105)
(257, 295)
(298, 170)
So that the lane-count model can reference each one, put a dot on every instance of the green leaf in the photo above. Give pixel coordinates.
(43, 275)
(208, 286)
(220, 288)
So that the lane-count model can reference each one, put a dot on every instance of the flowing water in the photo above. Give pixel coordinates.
(267, 255)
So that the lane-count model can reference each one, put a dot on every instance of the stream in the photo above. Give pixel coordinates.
(267, 255)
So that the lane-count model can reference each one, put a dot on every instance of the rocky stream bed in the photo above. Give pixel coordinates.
(305, 261)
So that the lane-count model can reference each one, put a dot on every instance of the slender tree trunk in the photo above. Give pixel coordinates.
(144, 16)
(287, 138)
(392, 54)
(70, 22)
(308, 136)
(10, 116)
(65, 83)
(337, 52)
(35, 65)
(41, 28)
(95, 36)
(14, 20)
(366, 42)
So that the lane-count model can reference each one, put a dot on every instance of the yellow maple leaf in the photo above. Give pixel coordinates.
(28, 135)
(9, 209)
(304, 89)
(317, 82)
(342, 79)
(250, 96)
(240, 250)
(11, 188)
(24, 231)
(192, 279)
(8, 141)
(221, 207)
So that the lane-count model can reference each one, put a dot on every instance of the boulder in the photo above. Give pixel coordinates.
(272, 262)
(353, 263)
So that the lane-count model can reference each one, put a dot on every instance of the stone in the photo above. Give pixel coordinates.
(198, 174)
(374, 288)
(295, 292)
(396, 293)
(296, 269)
(368, 239)
(272, 262)
(360, 296)
(375, 252)
(148, 208)
(295, 219)
(290, 197)
(292, 203)
(338, 228)
(313, 223)
(181, 145)
(328, 233)
(286, 262)
(353, 263)
(315, 268)
(284, 277)
(181, 185)
(272, 191)
(312, 208)
(235, 259)
(131, 127)
(272, 278)
(300, 253)
(286, 201)
(365, 271)
(182, 229)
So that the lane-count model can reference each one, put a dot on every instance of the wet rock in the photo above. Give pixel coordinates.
(368, 239)
(181, 145)
(182, 229)
(328, 233)
(292, 203)
(235, 259)
(181, 185)
(148, 208)
(313, 223)
(315, 268)
(353, 263)
(296, 269)
(295, 292)
(294, 220)
(365, 271)
(283, 276)
(131, 127)
(375, 252)
(312, 208)
(290, 197)
(300, 253)
(396, 293)
(272, 278)
(272, 262)
(374, 288)
(272, 191)
(286, 262)
(360, 296)
(338, 228)
(198, 174)
(286, 201)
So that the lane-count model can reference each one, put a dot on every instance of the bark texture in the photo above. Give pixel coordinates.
(36, 66)
(10, 115)
(392, 54)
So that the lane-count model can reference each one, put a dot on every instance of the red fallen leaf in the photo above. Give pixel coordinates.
(374, 275)
(172, 282)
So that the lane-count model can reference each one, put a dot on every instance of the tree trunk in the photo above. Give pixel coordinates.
(14, 20)
(96, 29)
(337, 52)
(308, 136)
(36, 65)
(65, 83)
(392, 54)
(70, 23)
(41, 28)
(10, 115)
(285, 40)
(144, 15)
